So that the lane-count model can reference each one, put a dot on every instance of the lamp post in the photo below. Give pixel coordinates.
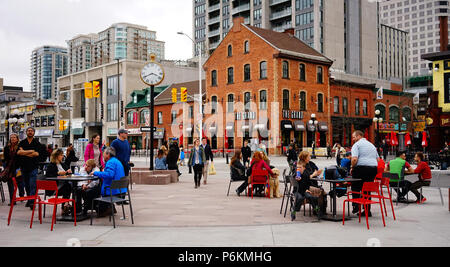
(200, 100)
(378, 120)
(314, 122)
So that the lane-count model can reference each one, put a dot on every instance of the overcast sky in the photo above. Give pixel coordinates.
(28, 24)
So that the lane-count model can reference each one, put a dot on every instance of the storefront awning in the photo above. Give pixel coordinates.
(77, 131)
(299, 126)
(311, 127)
(230, 129)
(286, 125)
(188, 130)
(323, 127)
(247, 127)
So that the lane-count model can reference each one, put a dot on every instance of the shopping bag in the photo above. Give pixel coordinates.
(212, 170)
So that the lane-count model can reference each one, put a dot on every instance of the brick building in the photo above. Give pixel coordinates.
(264, 86)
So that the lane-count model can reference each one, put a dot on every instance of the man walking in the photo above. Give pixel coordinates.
(246, 153)
(123, 150)
(209, 157)
(29, 150)
(364, 165)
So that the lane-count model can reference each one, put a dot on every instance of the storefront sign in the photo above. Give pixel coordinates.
(112, 131)
(134, 131)
(445, 121)
(292, 114)
(419, 126)
(393, 127)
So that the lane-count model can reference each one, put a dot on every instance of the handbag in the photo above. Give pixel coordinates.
(212, 169)
(4, 175)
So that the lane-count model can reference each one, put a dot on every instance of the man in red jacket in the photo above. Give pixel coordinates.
(424, 172)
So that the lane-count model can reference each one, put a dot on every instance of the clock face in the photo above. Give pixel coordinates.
(152, 74)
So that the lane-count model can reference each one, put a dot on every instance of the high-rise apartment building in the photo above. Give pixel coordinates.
(420, 18)
(343, 30)
(121, 40)
(47, 64)
(392, 52)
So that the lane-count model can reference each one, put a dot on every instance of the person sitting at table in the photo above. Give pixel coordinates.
(87, 190)
(347, 161)
(302, 192)
(237, 170)
(397, 166)
(314, 171)
(380, 168)
(113, 171)
(58, 168)
(258, 163)
(424, 171)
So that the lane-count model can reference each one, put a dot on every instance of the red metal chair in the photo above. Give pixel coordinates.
(366, 193)
(259, 177)
(17, 199)
(385, 182)
(52, 186)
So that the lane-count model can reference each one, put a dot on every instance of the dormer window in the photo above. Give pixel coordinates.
(135, 99)
(148, 98)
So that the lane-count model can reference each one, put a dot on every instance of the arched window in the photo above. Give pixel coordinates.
(247, 100)
(319, 75)
(336, 104)
(263, 99)
(214, 78)
(302, 99)
(285, 99)
(302, 70)
(406, 112)
(382, 110)
(143, 115)
(246, 47)
(394, 114)
(230, 103)
(230, 50)
(230, 75)
(285, 69)
(130, 116)
(213, 105)
(263, 70)
(320, 103)
(247, 76)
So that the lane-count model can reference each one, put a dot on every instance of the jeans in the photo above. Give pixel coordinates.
(198, 170)
(404, 185)
(20, 187)
(29, 178)
(244, 185)
(299, 199)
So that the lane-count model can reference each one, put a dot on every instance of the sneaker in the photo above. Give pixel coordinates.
(293, 216)
(420, 202)
(238, 193)
(355, 210)
(363, 214)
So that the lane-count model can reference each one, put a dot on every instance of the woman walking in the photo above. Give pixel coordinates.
(11, 165)
(196, 161)
(93, 151)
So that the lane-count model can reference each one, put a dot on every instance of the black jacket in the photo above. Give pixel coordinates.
(52, 169)
(235, 173)
(246, 152)
(304, 183)
(291, 155)
(172, 159)
(208, 152)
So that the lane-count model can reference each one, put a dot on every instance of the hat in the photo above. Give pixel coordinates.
(121, 131)
(348, 154)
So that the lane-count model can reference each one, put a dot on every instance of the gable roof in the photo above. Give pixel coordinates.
(142, 97)
(288, 44)
(165, 97)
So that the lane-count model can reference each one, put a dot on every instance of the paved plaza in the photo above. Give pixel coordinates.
(180, 215)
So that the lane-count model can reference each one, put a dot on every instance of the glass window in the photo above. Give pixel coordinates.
(356, 106)
(336, 104)
(174, 117)
(213, 104)
(302, 101)
(214, 78)
(143, 115)
(345, 105)
(319, 75)
(394, 114)
(263, 70)
(320, 103)
(247, 76)
(247, 100)
(230, 75)
(406, 113)
(230, 103)
(302, 72)
(130, 116)
(263, 100)
(285, 69)
(285, 99)
(160, 118)
(365, 107)
(230, 50)
(382, 110)
(246, 47)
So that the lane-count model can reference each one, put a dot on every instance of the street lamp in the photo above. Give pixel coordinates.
(314, 122)
(199, 82)
(378, 120)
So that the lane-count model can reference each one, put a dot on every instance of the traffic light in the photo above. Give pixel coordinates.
(63, 124)
(96, 86)
(121, 109)
(101, 111)
(174, 95)
(88, 90)
(183, 94)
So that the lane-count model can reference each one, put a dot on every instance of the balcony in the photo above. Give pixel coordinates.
(281, 14)
(213, 33)
(214, 20)
(214, 45)
(241, 8)
(214, 7)
(276, 2)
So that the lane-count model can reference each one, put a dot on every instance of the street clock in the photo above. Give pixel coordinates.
(152, 73)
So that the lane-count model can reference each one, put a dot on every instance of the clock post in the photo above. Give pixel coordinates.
(152, 74)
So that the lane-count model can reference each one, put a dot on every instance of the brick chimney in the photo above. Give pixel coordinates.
(289, 31)
(237, 21)
(443, 22)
